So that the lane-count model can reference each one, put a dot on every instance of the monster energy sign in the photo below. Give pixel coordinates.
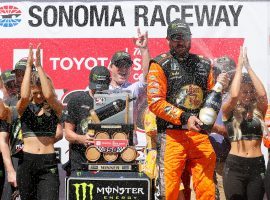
(85, 188)
(107, 188)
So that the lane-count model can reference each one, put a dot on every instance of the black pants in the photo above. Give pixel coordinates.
(2, 175)
(8, 188)
(244, 178)
(37, 177)
(267, 180)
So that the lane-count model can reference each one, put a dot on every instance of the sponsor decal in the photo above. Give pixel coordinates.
(110, 149)
(18, 147)
(190, 97)
(155, 99)
(85, 188)
(153, 91)
(100, 100)
(110, 145)
(84, 125)
(168, 109)
(152, 77)
(173, 112)
(107, 188)
(175, 66)
(85, 107)
(57, 151)
(53, 170)
(177, 73)
(9, 16)
(153, 84)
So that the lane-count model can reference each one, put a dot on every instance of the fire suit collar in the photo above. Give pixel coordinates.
(180, 59)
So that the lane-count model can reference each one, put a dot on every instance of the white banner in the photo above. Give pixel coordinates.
(77, 36)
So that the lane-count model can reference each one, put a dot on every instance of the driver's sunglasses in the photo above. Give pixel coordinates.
(179, 37)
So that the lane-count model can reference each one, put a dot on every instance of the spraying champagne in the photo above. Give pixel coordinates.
(109, 110)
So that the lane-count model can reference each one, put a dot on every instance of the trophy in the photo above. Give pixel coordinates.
(109, 125)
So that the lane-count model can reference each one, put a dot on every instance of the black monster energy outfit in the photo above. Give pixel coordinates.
(37, 174)
(4, 127)
(244, 177)
(15, 142)
(78, 110)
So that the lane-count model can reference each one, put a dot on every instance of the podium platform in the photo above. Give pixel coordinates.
(108, 185)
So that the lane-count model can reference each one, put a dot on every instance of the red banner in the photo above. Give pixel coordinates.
(68, 61)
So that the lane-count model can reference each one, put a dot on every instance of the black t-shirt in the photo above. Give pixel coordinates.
(4, 126)
(78, 110)
(16, 142)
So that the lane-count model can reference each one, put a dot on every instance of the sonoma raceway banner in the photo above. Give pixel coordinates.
(76, 36)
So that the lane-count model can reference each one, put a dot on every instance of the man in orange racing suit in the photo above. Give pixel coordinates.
(178, 82)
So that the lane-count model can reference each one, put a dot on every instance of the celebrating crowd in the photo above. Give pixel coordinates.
(176, 84)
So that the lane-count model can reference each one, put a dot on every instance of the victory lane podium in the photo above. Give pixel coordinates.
(111, 171)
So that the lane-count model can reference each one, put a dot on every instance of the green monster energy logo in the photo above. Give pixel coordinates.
(84, 190)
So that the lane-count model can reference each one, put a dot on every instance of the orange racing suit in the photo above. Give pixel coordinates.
(176, 89)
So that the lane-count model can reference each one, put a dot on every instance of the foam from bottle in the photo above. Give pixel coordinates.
(208, 116)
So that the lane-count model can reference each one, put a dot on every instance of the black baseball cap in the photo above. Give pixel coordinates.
(178, 28)
(7, 76)
(121, 59)
(20, 65)
(99, 78)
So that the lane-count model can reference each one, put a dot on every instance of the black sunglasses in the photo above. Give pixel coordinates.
(178, 37)
(123, 63)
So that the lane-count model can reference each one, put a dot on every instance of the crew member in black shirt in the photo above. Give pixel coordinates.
(76, 124)
(5, 159)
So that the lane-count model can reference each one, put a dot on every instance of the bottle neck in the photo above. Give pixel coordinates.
(218, 87)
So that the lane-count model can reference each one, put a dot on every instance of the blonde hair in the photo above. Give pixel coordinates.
(238, 114)
(35, 81)
(240, 111)
(259, 115)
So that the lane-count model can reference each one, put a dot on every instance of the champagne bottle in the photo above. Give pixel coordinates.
(209, 111)
(109, 110)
